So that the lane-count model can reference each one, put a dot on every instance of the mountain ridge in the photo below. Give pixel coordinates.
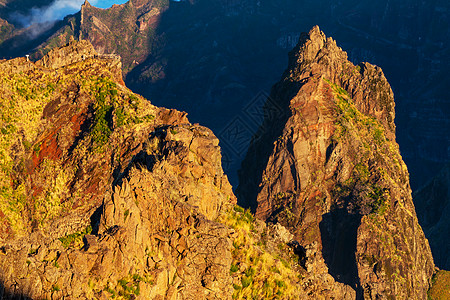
(102, 193)
(412, 56)
(107, 195)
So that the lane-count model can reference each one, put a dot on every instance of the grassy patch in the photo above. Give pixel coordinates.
(105, 92)
(257, 274)
(113, 109)
(126, 214)
(440, 288)
(234, 268)
(129, 287)
(47, 204)
(22, 100)
(379, 200)
(75, 239)
(55, 288)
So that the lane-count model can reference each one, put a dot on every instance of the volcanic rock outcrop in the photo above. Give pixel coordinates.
(330, 170)
(102, 193)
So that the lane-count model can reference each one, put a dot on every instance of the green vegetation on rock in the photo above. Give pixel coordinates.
(74, 240)
(22, 100)
(259, 273)
(111, 111)
(105, 93)
(367, 137)
(440, 288)
(34, 102)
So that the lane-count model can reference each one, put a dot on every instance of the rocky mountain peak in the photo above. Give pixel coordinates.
(124, 29)
(318, 56)
(331, 171)
(314, 52)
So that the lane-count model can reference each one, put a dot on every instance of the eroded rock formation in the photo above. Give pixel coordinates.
(85, 162)
(331, 171)
(104, 195)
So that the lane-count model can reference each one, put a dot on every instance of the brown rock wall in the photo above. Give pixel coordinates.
(332, 173)
(121, 197)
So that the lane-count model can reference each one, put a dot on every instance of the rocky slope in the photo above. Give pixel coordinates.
(330, 170)
(104, 195)
(85, 162)
(433, 207)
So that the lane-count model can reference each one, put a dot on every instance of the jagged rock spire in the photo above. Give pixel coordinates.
(318, 56)
(329, 168)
